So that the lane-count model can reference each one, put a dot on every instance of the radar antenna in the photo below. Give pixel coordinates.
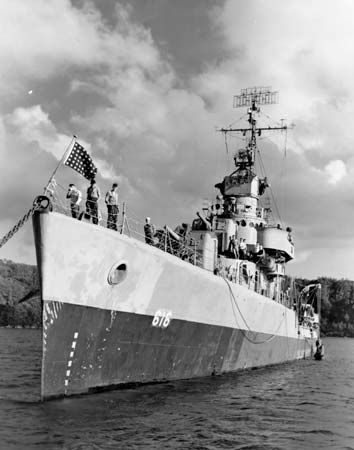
(252, 97)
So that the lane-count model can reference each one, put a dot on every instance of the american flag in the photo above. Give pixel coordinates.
(81, 161)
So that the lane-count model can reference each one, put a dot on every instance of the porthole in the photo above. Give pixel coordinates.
(251, 224)
(117, 274)
(243, 223)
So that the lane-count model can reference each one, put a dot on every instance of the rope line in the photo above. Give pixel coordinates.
(271, 190)
(19, 224)
(226, 145)
(238, 120)
(233, 301)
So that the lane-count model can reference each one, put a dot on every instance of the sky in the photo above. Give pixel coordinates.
(146, 83)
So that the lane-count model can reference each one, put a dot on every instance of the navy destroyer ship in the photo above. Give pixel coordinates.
(205, 298)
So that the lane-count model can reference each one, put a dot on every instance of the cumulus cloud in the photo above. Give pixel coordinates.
(141, 131)
(336, 170)
(305, 54)
(42, 39)
(33, 126)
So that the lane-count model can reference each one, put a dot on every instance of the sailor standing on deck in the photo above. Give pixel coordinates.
(242, 248)
(93, 194)
(149, 231)
(111, 201)
(75, 198)
(233, 247)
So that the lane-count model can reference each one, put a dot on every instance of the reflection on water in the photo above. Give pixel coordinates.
(301, 405)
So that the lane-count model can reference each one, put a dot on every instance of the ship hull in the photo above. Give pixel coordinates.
(87, 349)
(96, 335)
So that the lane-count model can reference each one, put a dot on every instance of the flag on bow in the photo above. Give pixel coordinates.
(79, 160)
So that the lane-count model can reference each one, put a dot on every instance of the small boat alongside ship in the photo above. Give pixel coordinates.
(319, 353)
(206, 298)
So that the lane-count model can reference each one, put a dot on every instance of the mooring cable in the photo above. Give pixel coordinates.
(233, 301)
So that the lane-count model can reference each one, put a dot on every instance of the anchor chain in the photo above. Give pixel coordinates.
(37, 205)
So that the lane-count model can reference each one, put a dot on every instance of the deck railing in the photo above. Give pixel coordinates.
(128, 224)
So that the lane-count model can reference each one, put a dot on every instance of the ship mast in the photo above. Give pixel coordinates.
(252, 97)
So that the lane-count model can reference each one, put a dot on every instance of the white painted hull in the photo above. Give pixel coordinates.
(215, 326)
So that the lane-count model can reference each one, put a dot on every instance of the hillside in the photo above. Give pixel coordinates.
(19, 282)
(337, 307)
(20, 304)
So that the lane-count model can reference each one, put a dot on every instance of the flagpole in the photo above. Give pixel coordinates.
(69, 147)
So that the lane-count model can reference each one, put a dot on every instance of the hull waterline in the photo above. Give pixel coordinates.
(97, 336)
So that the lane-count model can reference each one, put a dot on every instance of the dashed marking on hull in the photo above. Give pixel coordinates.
(113, 316)
(70, 362)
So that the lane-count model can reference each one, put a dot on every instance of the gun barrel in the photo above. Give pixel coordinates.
(206, 223)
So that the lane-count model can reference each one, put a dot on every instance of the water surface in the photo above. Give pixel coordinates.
(303, 405)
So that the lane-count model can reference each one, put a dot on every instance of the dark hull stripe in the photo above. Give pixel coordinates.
(87, 348)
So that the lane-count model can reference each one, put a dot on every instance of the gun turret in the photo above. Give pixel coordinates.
(205, 221)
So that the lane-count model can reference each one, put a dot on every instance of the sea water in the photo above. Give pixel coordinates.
(305, 404)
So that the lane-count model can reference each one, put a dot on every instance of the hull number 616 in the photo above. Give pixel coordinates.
(162, 319)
